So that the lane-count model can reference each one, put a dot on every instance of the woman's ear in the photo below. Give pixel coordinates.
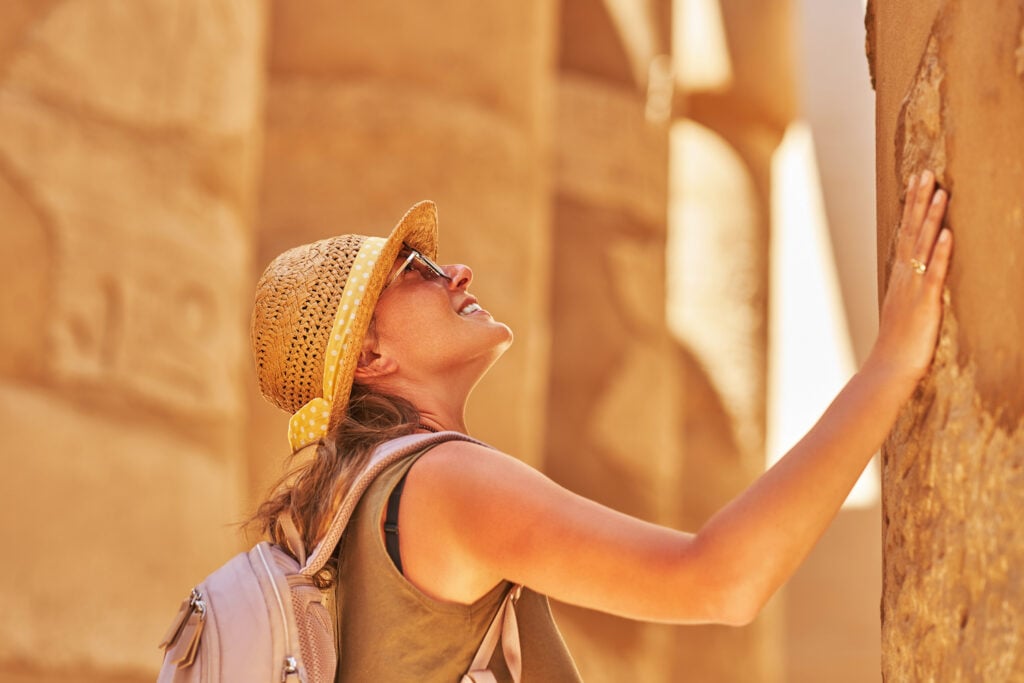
(373, 365)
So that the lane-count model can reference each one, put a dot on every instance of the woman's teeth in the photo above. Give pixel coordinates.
(470, 308)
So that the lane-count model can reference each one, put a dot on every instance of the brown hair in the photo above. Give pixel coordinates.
(313, 489)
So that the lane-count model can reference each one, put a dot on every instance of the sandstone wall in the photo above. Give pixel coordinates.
(127, 160)
(950, 83)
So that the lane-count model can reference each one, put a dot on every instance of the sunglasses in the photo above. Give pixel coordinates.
(416, 261)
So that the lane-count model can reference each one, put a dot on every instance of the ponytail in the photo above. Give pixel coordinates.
(315, 484)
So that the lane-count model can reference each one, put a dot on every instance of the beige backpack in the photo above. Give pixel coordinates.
(262, 618)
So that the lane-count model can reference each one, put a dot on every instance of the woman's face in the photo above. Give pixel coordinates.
(432, 324)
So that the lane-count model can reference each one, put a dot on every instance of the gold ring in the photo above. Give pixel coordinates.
(918, 266)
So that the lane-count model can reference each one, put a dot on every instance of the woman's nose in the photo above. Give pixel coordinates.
(460, 275)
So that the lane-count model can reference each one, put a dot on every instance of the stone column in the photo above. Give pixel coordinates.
(373, 106)
(950, 83)
(610, 437)
(724, 137)
(126, 178)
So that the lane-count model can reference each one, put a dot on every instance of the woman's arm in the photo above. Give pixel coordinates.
(775, 523)
(471, 517)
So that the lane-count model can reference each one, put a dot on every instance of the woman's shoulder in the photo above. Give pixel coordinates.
(453, 466)
(457, 497)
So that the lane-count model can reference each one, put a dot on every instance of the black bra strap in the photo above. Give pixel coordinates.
(391, 524)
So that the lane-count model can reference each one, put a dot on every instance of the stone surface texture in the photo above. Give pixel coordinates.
(951, 98)
(128, 152)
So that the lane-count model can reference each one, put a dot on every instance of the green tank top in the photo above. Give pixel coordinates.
(388, 630)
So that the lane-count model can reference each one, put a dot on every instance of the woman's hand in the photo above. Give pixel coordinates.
(912, 308)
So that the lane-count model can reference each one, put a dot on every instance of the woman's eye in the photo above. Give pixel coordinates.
(425, 272)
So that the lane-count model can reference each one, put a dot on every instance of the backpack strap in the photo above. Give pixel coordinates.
(386, 455)
(506, 626)
(292, 537)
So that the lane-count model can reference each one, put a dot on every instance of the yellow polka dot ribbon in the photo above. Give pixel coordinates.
(309, 423)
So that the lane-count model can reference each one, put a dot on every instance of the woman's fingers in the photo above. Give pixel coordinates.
(908, 199)
(939, 263)
(912, 309)
(908, 208)
(930, 227)
(915, 208)
(923, 210)
(919, 208)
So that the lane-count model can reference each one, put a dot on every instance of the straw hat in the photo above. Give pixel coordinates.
(313, 307)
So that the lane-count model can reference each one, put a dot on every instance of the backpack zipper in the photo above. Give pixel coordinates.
(290, 664)
(187, 627)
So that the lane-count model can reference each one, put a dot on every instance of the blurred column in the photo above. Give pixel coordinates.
(373, 106)
(127, 151)
(950, 97)
(613, 386)
(735, 101)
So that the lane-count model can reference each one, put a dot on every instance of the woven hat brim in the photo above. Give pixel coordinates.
(418, 229)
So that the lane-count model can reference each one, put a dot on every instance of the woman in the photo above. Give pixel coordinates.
(366, 339)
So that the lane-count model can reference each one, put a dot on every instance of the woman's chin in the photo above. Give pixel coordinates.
(502, 340)
(508, 336)
(491, 340)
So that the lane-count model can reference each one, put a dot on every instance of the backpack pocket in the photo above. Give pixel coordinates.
(316, 630)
